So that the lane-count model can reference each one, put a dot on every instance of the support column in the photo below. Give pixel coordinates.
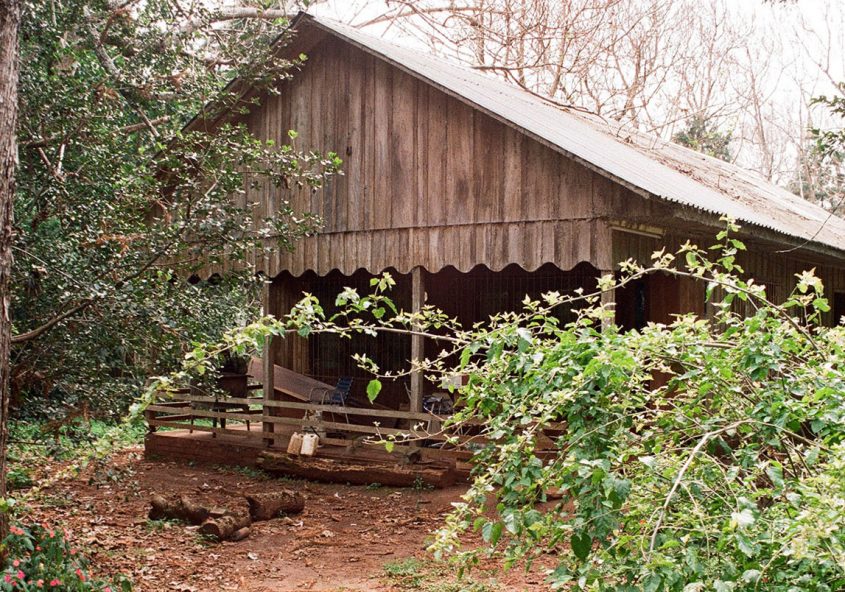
(608, 301)
(605, 261)
(267, 364)
(292, 351)
(417, 342)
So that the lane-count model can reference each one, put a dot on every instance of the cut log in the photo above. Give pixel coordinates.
(358, 473)
(225, 527)
(240, 534)
(181, 508)
(160, 508)
(192, 512)
(266, 506)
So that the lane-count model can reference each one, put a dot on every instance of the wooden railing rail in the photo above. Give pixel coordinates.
(179, 410)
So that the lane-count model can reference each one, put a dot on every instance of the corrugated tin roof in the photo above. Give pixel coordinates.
(642, 162)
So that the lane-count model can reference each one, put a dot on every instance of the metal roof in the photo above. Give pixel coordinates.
(639, 161)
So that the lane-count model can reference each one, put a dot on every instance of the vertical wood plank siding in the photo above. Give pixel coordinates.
(427, 180)
(767, 264)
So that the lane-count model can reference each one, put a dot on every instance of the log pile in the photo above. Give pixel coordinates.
(230, 527)
(181, 508)
(222, 524)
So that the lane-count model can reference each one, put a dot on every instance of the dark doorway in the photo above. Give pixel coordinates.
(838, 307)
(632, 305)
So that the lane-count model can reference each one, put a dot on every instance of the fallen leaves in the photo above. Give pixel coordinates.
(370, 527)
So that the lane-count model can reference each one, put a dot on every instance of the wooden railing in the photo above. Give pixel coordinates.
(255, 418)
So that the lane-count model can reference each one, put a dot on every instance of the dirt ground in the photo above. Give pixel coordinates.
(348, 538)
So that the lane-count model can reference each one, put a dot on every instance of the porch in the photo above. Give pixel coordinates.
(239, 430)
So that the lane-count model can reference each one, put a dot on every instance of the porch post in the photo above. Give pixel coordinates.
(267, 365)
(605, 261)
(417, 344)
(608, 300)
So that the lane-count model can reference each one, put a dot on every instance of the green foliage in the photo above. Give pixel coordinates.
(707, 454)
(373, 389)
(117, 205)
(693, 454)
(703, 136)
(159, 525)
(31, 443)
(820, 177)
(406, 572)
(39, 557)
(413, 574)
(91, 443)
(251, 473)
(18, 478)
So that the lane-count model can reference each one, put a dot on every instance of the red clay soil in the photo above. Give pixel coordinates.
(341, 542)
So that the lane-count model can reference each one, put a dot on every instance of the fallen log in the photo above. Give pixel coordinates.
(226, 527)
(358, 473)
(266, 506)
(181, 508)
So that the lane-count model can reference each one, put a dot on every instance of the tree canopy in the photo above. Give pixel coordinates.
(117, 205)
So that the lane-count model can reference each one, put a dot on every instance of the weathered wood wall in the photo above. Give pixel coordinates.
(769, 264)
(427, 180)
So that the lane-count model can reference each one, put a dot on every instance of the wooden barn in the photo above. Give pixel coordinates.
(474, 193)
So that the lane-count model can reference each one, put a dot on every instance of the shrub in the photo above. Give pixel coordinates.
(703, 454)
(40, 557)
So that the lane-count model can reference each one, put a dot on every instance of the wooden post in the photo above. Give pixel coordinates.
(608, 300)
(268, 363)
(417, 343)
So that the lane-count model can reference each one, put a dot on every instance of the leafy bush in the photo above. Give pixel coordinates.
(18, 478)
(707, 454)
(31, 442)
(702, 455)
(40, 558)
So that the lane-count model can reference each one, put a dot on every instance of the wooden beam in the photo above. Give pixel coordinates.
(417, 343)
(267, 362)
(338, 409)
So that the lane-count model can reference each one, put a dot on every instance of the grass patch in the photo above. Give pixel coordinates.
(250, 472)
(158, 525)
(430, 576)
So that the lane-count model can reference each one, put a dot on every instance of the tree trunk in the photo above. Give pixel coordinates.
(10, 15)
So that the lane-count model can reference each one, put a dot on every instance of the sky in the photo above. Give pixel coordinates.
(798, 45)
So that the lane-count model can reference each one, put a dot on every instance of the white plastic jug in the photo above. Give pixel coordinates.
(309, 444)
(295, 444)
